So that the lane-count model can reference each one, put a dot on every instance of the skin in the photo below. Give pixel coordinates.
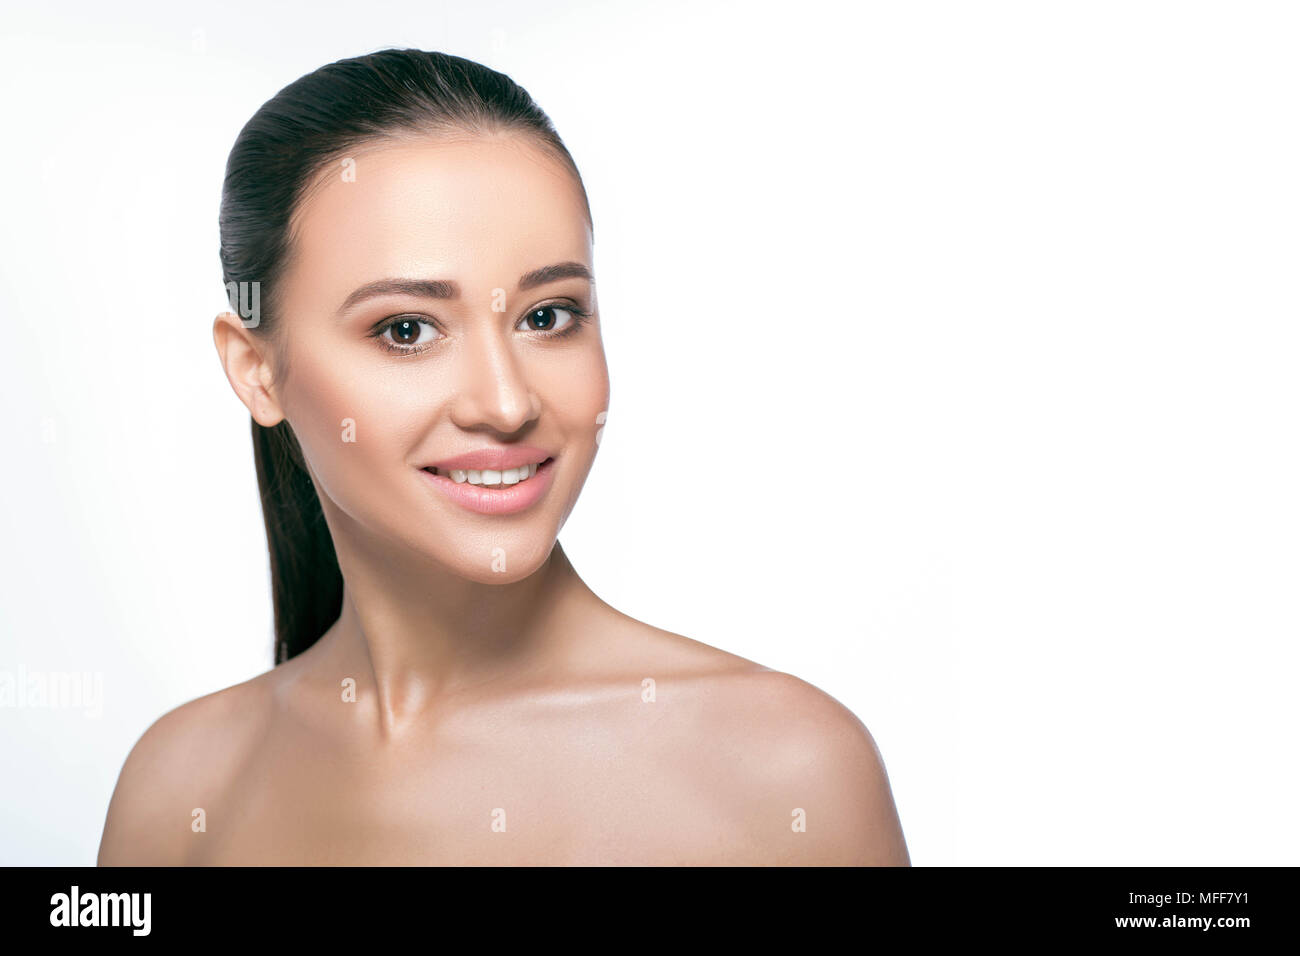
(482, 697)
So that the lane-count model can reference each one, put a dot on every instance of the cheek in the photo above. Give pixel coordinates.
(581, 397)
(580, 403)
(349, 425)
(598, 398)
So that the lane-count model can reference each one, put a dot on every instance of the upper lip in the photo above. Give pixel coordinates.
(494, 459)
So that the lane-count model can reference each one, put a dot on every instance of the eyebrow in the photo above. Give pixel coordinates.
(446, 289)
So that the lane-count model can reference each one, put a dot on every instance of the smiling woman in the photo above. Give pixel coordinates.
(409, 246)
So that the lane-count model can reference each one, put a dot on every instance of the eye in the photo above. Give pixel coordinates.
(545, 318)
(408, 332)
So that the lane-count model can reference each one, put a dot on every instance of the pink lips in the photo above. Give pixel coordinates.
(494, 501)
(497, 459)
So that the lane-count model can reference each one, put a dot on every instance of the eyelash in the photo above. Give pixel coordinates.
(579, 320)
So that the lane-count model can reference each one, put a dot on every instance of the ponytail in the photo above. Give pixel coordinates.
(307, 585)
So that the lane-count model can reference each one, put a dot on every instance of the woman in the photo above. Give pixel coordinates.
(408, 245)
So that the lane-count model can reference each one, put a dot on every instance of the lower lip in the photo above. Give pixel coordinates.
(495, 501)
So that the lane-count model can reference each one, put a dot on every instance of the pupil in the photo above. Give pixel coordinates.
(543, 317)
(403, 329)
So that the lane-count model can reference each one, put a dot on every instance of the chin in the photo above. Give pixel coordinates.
(502, 559)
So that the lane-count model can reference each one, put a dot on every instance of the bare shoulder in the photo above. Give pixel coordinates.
(186, 754)
(808, 775)
(797, 773)
(794, 769)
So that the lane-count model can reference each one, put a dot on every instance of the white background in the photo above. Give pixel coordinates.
(953, 350)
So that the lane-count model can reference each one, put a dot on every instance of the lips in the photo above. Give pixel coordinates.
(500, 458)
(505, 500)
(489, 478)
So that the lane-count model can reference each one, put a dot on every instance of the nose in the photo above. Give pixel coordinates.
(492, 383)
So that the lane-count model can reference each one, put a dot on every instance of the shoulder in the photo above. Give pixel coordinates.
(805, 775)
(791, 773)
(179, 762)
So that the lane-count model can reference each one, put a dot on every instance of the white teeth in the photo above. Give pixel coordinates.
(488, 478)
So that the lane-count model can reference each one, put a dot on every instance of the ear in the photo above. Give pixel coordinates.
(248, 369)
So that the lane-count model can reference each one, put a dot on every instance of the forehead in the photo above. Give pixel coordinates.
(484, 206)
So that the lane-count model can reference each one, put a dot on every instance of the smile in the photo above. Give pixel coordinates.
(491, 492)
(488, 478)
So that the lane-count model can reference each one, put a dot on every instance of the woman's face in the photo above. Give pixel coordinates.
(492, 354)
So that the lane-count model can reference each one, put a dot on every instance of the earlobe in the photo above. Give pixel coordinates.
(246, 368)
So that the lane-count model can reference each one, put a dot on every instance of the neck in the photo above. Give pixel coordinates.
(413, 640)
